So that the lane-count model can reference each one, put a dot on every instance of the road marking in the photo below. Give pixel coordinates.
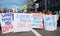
(36, 33)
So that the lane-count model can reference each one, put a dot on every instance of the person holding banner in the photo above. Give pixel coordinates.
(57, 16)
(56, 13)
(42, 12)
(48, 12)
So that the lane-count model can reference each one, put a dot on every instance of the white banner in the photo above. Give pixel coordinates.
(22, 22)
(50, 22)
(37, 20)
(6, 22)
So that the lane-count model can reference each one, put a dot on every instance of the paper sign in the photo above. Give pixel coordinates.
(6, 23)
(37, 20)
(50, 22)
(22, 22)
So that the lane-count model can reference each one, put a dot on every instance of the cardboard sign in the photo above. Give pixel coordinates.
(37, 20)
(22, 22)
(50, 22)
(6, 23)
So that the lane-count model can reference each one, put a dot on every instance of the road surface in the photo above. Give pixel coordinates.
(35, 32)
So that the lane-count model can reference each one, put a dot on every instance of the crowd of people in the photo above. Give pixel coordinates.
(48, 12)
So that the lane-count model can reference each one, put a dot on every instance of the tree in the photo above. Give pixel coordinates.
(29, 5)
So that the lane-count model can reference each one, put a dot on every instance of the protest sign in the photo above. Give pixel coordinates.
(50, 22)
(37, 20)
(6, 22)
(22, 22)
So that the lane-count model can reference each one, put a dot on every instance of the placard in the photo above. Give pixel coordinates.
(6, 22)
(22, 22)
(50, 22)
(37, 20)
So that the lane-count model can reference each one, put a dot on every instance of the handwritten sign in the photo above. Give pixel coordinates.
(50, 22)
(22, 22)
(6, 23)
(37, 20)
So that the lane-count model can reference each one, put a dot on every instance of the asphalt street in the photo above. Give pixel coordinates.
(18, 34)
(30, 33)
(49, 33)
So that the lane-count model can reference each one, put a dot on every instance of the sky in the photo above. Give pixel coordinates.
(12, 3)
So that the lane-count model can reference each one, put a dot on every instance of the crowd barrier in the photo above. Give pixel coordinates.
(23, 22)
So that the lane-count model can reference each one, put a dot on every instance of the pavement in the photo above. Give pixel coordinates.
(18, 34)
(35, 32)
(49, 33)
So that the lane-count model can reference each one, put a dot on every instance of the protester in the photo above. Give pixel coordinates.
(30, 12)
(24, 11)
(0, 27)
(43, 12)
(48, 12)
(56, 13)
(40, 12)
(59, 19)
